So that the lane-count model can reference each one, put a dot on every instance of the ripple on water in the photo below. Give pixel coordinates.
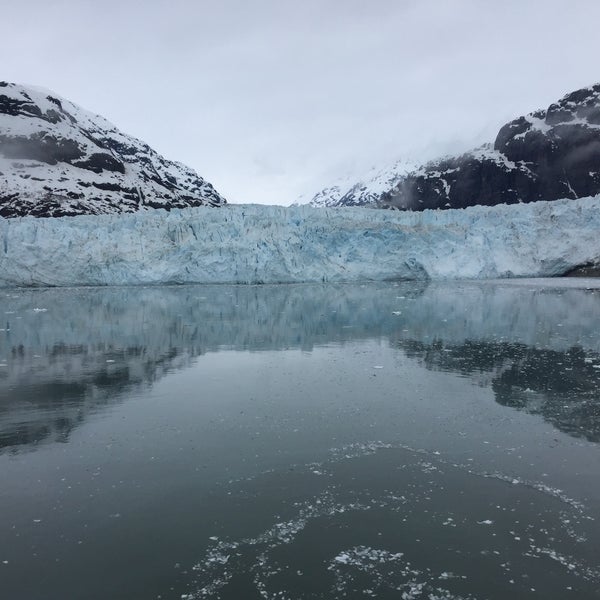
(388, 521)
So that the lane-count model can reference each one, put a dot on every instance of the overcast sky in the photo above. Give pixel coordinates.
(270, 99)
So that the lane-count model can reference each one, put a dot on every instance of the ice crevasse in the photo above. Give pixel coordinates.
(271, 244)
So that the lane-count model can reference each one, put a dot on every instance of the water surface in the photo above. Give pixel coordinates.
(392, 440)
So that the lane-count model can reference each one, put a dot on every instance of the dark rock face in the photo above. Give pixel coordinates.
(56, 159)
(42, 147)
(546, 155)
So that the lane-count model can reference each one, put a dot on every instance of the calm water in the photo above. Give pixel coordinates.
(365, 441)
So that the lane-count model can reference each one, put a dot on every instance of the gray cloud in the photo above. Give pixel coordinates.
(268, 99)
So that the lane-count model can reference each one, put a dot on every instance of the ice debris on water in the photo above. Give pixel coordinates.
(383, 569)
(386, 570)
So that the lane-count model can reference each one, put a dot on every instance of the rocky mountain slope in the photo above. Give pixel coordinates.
(57, 159)
(546, 155)
(364, 192)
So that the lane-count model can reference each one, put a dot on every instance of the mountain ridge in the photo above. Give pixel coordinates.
(366, 191)
(548, 154)
(58, 159)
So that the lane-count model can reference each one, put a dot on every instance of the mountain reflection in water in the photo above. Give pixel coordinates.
(301, 441)
(66, 354)
(562, 387)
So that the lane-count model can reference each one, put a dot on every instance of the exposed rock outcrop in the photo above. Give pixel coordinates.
(546, 155)
(56, 159)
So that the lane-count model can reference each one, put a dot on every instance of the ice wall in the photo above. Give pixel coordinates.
(268, 244)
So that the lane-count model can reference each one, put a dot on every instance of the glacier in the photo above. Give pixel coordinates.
(272, 244)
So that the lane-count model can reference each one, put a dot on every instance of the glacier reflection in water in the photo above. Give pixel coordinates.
(311, 441)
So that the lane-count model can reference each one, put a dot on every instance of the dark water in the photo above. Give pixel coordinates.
(297, 442)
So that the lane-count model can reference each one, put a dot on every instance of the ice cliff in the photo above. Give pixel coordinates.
(269, 244)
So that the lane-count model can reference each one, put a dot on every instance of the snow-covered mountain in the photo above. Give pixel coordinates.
(546, 155)
(57, 159)
(274, 244)
(366, 191)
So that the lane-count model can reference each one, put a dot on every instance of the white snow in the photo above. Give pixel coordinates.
(271, 244)
(537, 124)
(352, 190)
(154, 179)
(487, 152)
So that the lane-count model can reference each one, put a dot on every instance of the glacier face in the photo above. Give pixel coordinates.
(272, 244)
